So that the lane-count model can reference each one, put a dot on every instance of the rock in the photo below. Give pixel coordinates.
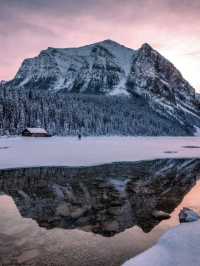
(187, 215)
(160, 215)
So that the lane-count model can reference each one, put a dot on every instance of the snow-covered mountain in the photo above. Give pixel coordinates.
(98, 68)
(109, 68)
(105, 67)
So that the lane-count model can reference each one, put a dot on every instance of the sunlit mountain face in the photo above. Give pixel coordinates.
(37, 25)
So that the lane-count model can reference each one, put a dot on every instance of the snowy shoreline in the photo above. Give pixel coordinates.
(18, 152)
(179, 246)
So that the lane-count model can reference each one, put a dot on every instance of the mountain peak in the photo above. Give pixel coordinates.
(109, 41)
(146, 47)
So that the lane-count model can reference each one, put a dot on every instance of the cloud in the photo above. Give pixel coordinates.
(193, 53)
(26, 27)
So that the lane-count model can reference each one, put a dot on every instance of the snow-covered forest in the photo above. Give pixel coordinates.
(67, 114)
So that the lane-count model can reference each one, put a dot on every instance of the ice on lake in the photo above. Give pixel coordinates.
(69, 151)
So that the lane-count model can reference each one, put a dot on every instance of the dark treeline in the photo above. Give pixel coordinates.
(67, 114)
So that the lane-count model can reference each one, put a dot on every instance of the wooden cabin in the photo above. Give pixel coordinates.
(35, 132)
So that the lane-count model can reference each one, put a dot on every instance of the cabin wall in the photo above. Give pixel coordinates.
(26, 134)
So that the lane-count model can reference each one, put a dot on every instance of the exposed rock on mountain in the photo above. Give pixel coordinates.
(152, 73)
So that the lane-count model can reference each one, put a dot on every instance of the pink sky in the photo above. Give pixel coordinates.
(171, 26)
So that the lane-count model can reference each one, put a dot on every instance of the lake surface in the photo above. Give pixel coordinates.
(91, 216)
(69, 151)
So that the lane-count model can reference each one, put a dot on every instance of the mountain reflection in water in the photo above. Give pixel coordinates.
(104, 199)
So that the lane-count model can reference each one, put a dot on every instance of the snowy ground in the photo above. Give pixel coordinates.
(178, 247)
(69, 151)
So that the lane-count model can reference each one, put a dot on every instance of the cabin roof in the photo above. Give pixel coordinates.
(35, 130)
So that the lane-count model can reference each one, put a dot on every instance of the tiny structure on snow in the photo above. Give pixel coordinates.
(35, 132)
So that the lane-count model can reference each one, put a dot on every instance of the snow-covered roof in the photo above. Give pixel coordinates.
(36, 130)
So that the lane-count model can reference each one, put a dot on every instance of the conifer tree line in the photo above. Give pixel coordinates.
(66, 114)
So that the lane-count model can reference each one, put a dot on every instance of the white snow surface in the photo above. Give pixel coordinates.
(178, 247)
(123, 55)
(69, 151)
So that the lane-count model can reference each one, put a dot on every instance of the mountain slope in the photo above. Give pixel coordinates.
(97, 68)
(108, 68)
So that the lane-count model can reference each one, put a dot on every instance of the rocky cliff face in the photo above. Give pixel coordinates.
(152, 74)
(103, 199)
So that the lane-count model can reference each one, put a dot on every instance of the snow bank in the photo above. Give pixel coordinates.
(69, 151)
(178, 247)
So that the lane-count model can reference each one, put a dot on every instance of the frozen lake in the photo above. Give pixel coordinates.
(98, 215)
(69, 151)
